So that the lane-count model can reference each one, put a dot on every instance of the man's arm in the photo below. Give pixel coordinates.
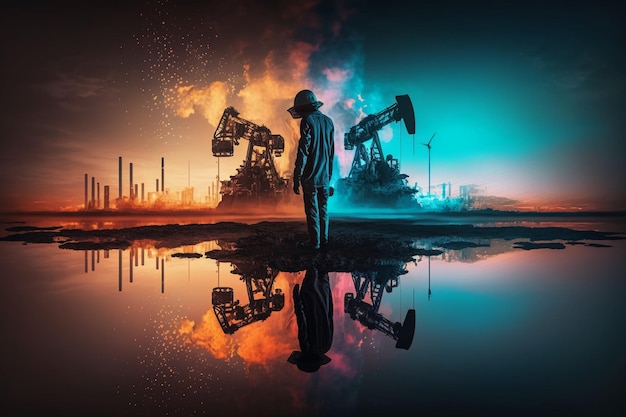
(301, 156)
(332, 152)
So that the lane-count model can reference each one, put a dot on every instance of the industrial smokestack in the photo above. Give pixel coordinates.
(93, 191)
(106, 197)
(120, 176)
(131, 182)
(162, 174)
(86, 189)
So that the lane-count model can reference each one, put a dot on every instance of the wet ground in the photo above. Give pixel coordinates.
(354, 243)
(525, 316)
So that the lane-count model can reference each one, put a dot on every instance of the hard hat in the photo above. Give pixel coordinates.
(304, 101)
(308, 362)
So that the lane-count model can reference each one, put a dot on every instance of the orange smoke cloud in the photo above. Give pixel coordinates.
(299, 56)
(258, 343)
(209, 101)
(268, 91)
(208, 335)
(268, 94)
(261, 343)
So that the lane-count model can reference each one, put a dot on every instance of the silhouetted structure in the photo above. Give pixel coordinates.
(375, 180)
(386, 276)
(313, 307)
(259, 279)
(257, 181)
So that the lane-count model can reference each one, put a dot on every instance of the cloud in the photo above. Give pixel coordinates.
(66, 86)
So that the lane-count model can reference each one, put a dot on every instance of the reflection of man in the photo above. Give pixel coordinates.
(313, 305)
(314, 164)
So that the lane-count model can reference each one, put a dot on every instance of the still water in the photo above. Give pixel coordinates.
(497, 331)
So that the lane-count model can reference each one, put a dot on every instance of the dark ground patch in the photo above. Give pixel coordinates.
(354, 244)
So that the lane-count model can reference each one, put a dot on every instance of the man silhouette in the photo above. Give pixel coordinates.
(313, 306)
(314, 165)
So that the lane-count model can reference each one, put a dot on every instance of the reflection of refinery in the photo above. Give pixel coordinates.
(140, 257)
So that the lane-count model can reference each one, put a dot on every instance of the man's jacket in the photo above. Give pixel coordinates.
(316, 150)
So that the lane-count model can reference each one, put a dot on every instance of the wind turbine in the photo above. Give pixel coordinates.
(428, 146)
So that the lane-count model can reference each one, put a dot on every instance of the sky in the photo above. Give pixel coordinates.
(525, 99)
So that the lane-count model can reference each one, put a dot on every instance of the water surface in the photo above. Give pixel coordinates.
(498, 331)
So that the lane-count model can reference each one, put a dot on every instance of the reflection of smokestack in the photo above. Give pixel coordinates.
(131, 181)
(119, 267)
(86, 189)
(162, 174)
(120, 176)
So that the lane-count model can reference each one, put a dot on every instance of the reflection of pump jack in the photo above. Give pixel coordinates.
(259, 280)
(367, 314)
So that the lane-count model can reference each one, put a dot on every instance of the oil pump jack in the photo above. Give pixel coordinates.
(384, 277)
(262, 298)
(257, 181)
(374, 181)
